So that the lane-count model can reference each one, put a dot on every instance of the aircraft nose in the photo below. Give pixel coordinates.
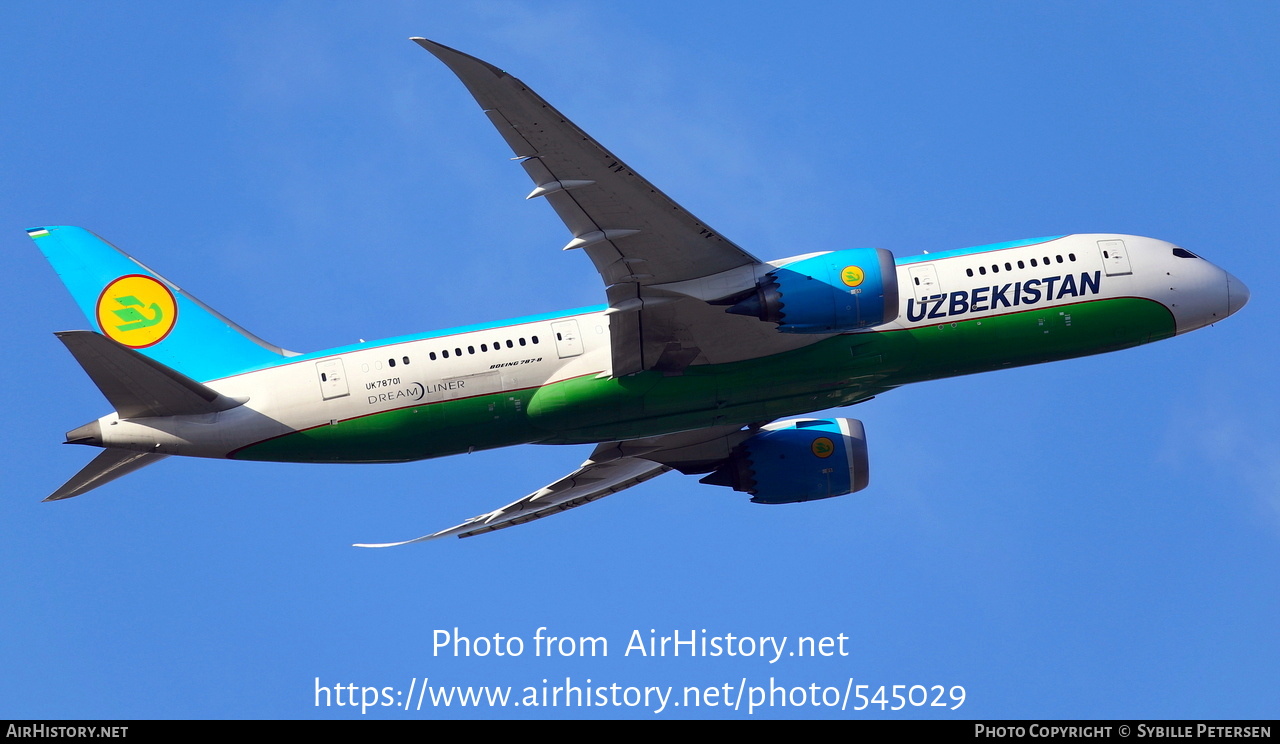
(1237, 294)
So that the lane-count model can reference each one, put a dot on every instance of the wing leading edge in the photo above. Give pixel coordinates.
(631, 230)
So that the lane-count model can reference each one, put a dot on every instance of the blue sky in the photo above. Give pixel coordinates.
(1092, 538)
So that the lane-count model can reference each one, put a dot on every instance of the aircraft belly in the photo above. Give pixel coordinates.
(416, 432)
(829, 373)
(840, 371)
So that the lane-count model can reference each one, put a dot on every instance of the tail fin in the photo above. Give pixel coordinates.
(135, 306)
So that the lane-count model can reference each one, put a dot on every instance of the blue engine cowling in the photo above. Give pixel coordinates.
(798, 460)
(831, 293)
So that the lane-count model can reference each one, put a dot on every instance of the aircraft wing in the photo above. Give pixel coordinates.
(660, 264)
(612, 467)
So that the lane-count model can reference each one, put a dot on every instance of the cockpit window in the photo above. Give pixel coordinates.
(1184, 253)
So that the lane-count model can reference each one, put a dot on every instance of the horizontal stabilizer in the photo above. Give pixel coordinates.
(106, 467)
(136, 385)
(594, 480)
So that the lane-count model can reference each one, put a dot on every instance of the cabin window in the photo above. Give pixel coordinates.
(1071, 256)
(534, 339)
(471, 349)
(484, 347)
(432, 355)
(445, 353)
(1008, 266)
(982, 270)
(509, 344)
(391, 362)
(968, 272)
(1021, 265)
(522, 340)
(405, 360)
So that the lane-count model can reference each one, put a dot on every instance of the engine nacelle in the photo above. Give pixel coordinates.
(830, 293)
(798, 460)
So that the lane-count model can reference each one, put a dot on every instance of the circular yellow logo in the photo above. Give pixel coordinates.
(823, 447)
(852, 276)
(137, 311)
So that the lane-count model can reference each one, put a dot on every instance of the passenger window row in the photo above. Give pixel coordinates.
(457, 350)
(1008, 265)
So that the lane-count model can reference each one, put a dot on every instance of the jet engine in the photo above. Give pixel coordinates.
(798, 460)
(828, 293)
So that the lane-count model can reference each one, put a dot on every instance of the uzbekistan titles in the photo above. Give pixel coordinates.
(1013, 294)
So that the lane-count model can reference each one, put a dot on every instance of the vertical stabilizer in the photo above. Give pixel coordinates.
(136, 307)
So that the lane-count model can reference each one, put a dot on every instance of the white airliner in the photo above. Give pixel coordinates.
(695, 363)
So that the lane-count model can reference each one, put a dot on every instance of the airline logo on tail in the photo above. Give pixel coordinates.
(137, 311)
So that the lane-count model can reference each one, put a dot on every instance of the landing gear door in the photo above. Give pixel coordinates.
(1115, 257)
(333, 379)
(568, 342)
(924, 281)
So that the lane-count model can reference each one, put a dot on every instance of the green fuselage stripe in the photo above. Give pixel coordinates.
(835, 372)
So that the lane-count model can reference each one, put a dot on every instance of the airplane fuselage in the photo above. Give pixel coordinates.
(546, 379)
